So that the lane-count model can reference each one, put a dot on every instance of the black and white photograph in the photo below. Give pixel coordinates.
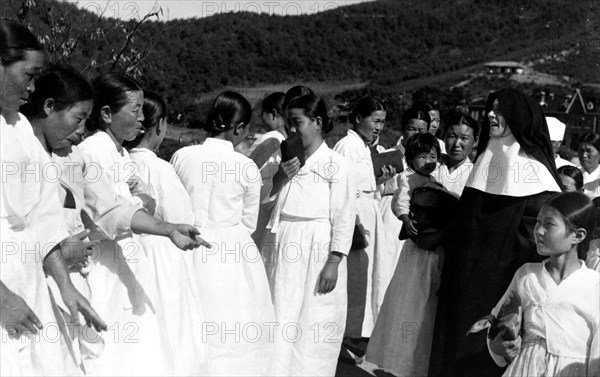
(336, 188)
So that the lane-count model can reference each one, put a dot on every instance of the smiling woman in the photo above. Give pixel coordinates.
(492, 233)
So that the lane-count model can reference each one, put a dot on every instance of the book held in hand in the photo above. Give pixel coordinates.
(393, 158)
(293, 147)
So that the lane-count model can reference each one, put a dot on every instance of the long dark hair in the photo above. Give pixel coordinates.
(313, 106)
(63, 84)
(111, 90)
(577, 211)
(15, 41)
(227, 110)
(365, 107)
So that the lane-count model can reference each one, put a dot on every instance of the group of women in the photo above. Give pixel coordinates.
(116, 262)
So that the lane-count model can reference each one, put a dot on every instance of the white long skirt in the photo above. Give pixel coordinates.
(311, 326)
(124, 294)
(47, 352)
(234, 294)
(179, 312)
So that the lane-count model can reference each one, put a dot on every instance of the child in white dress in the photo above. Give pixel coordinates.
(560, 299)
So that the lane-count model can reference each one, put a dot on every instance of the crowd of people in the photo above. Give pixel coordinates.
(294, 256)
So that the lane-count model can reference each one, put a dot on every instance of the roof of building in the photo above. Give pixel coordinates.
(504, 64)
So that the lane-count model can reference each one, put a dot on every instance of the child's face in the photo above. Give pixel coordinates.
(425, 163)
(568, 182)
(552, 237)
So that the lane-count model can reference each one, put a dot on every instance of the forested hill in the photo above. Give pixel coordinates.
(382, 41)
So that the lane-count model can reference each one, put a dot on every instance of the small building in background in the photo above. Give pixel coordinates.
(578, 111)
(504, 68)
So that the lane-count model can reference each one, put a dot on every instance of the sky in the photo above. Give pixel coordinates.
(174, 9)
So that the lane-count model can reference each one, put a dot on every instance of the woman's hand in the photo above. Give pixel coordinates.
(76, 304)
(186, 237)
(508, 349)
(388, 172)
(16, 315)
(329, 274)
(290, 168)
(75, 250)
(148, 202)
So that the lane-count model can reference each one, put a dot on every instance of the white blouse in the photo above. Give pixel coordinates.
(224, 185)
(173, 204)
(456, 180)
(323, 190)
(354, 149)
(591, 183)
(566, 315)
(106, 173)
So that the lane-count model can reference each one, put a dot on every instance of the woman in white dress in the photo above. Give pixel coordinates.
(306, 264)
(123, 282)
(232, 283)
(180, 314)
(32, 228)
(366, 283)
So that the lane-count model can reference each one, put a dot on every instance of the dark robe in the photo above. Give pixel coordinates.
(489, 239)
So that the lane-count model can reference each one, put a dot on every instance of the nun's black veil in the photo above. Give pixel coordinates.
(527, 123)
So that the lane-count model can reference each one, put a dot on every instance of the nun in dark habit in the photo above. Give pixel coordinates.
(492, 233)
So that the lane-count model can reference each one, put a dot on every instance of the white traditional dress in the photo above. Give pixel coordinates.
(224, 187)
(314, 215)
(267, 171)
(591, 183)
(456, 180)
(180, 313)
(123, 282)
(402, 338)
(392, 225)
(31, 224)
(374, 258)
(592, 260)
(560, 328)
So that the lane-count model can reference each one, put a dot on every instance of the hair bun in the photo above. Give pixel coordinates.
(214, 123)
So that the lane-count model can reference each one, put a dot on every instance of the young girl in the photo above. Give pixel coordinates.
(306, 266)
(560, 298)
(401, 341)
(571, 177)
(32, 228)
(180, 314)
(266, 155)
(123, 283)
(363, 278)
(224, 187)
